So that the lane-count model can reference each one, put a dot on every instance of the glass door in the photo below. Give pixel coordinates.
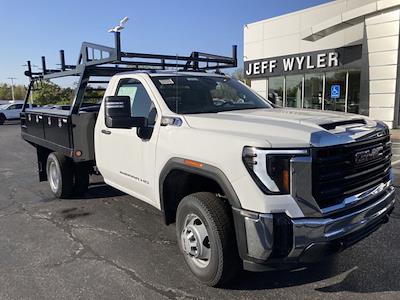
(313, 91)
(275, 90)
(294, 90)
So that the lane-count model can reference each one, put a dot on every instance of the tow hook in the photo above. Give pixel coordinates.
(385, 219)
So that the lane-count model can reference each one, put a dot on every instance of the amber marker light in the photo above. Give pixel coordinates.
(286, 181)
(193, 163)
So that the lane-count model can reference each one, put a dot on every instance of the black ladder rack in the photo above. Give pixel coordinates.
(102, 61)
(99, 56)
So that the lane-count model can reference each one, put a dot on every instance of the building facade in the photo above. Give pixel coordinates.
(339, 56)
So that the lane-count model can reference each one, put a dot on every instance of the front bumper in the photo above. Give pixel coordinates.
(268, 241)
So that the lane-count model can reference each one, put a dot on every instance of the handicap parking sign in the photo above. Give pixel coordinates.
(335, 91)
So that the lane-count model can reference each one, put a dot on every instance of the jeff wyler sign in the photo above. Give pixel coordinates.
(301, 63)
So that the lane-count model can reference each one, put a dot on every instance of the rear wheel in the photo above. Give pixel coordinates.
(60, 174)
(2, 119)
(206, 238)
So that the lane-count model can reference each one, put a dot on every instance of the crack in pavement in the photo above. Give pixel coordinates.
(147, 237)
(144, 236)
(170, 293)
(11, 196)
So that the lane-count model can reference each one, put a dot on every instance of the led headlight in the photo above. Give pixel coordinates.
(270, 169)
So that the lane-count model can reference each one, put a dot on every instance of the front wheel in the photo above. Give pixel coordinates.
(206, 238)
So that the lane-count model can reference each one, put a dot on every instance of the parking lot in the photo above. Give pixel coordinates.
(111, 246)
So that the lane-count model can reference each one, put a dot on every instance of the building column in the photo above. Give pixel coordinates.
(382, 41)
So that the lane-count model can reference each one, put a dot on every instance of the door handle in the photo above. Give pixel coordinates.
(108, 132)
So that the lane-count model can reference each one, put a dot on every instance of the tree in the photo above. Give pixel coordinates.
(6, 94)
(20, 92)
(239, 75)
(50, 93)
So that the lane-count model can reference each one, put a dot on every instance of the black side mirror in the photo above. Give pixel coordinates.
(118, 113)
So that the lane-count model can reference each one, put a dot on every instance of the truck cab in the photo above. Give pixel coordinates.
(247, 184)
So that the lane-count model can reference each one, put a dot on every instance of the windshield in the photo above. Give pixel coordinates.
(206, 94)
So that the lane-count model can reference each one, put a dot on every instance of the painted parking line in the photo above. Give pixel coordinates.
(396, 162)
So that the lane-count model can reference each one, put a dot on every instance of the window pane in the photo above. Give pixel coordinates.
(313, 85)
(141, 104)
(335, 91)
(206, 94)
(353, 98)
(294, 90)
(275, 90)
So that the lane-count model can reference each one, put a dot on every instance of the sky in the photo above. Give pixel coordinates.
(30, 29)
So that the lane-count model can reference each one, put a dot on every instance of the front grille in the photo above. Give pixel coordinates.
(337, 175)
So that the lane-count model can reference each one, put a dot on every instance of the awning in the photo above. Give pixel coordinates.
(346, 19)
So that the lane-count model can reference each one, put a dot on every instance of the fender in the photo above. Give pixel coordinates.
(207, 171)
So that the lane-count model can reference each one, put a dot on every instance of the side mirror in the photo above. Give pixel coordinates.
(118, 113)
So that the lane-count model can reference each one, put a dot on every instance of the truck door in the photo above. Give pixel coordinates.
(126, 157)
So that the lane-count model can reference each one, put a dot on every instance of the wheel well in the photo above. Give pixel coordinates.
(180, 183)
(42, 155)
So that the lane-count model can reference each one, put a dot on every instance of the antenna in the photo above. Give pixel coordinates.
(121, 26)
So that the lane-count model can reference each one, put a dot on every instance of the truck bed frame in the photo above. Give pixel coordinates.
(71, 132)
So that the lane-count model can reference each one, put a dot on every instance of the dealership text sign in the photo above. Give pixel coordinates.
(300, 63)
(289, 64)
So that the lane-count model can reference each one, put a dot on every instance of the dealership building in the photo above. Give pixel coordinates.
(339, 56)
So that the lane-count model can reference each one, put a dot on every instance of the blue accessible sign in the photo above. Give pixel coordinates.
(335, 91)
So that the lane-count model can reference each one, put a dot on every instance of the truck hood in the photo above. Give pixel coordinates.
(281, 127)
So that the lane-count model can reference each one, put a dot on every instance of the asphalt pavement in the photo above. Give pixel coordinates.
(108, 245)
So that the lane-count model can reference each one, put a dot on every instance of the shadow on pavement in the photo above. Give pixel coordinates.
(12, 122)
(100, 190)
(355, 278)
(286, 278)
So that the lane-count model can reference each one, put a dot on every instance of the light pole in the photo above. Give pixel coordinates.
(12, 86)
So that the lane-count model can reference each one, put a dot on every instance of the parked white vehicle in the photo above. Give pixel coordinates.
(248, 185)
(12, 110)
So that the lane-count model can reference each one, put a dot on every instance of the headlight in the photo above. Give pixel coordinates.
(270, 169)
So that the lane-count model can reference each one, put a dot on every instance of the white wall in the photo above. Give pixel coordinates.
(382, 47)
(282, 35)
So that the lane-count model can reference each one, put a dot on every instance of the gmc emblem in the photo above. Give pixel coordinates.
(367, 155)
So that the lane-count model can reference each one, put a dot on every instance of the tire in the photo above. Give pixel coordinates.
(81, 179)
(2, 119)
(60, 173)
(221, 262)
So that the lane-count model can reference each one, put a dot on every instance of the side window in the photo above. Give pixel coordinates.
(19, 106)
(141, 104)
(12, 107)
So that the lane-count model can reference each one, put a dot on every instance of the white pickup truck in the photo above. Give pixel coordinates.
(248, 185)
